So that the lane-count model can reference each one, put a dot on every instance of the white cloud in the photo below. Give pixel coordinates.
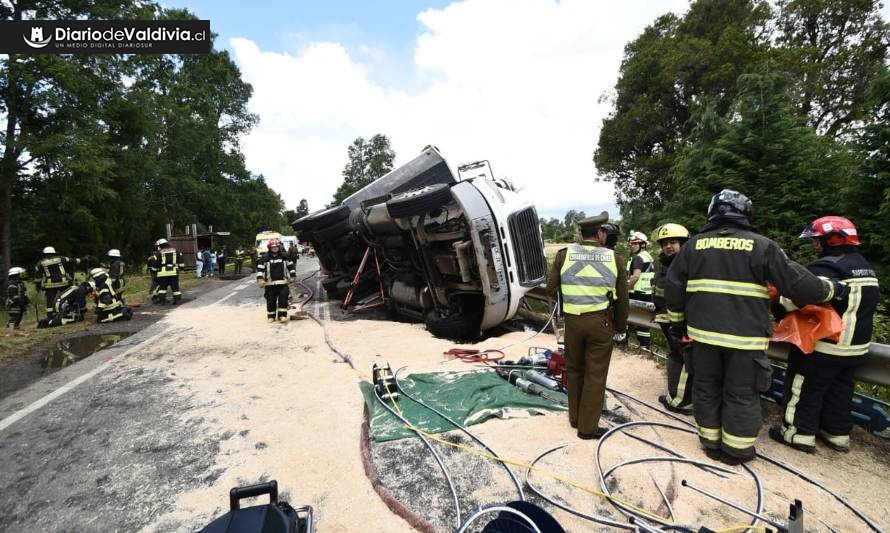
(512, 81)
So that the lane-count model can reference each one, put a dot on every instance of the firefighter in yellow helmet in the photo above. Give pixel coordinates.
(592, 283)
(671, 237)
(640, 273)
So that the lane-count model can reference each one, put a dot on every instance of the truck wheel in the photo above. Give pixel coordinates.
(331, 288)
(419, 201)
(322, 219)
(332, 232)
(461, 324)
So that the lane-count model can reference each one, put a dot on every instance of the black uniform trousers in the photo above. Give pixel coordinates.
(51, 295)
(165, 283)
(276, 300)
(588, 347)
(16, 313)
(818, 396)
(643, 335)
(679, 372)
(726, 397)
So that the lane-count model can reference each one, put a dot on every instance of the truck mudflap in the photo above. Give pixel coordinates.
(488, 251)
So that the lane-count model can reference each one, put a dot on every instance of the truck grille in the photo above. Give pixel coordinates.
(528, 250)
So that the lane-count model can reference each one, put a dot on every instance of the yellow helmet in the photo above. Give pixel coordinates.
(671, 231)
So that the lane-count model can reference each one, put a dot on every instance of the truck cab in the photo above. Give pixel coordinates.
(459, 248)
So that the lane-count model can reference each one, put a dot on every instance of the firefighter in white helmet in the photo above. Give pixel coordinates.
(640, 274)
(116, 271)
(16, 299)
(54, 274)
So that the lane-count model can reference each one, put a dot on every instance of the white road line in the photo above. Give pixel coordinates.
(25, 411)
(22, 413)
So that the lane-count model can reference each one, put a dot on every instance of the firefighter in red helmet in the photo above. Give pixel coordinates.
(819, 386)
(273, 272)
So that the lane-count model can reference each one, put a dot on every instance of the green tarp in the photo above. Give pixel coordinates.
(467, 397)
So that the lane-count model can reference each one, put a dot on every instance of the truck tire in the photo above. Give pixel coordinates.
(419, 201)
(322, 219)
(333, 231)
(461, 325)
(331, 287)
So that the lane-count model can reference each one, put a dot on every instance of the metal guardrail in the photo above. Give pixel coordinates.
(875, 369)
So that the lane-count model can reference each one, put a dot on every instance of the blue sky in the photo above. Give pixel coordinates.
(516, 82)
(381, 32)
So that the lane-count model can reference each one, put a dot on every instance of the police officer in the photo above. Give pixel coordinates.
(819, 386)
(274, 271)
(640, 272)
(54, 273)
(16, 299)
(592, 285)
(671, 237)
(169, 265)
(116, 271)
(716, 293)
(109, 306)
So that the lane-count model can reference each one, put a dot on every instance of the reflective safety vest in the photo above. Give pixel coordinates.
(587, 279)
(275, 269)
(168, 263)
(54, 274)
(644, 283)
(108, 304)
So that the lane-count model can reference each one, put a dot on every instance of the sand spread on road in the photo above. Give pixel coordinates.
(286, 407)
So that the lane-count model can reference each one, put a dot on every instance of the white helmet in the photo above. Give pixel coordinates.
(638, 237)
(15, 271)
(97, 273)
(49, 250)
(161, 242)
(114, 252)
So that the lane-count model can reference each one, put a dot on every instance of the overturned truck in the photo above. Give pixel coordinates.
(456, 250)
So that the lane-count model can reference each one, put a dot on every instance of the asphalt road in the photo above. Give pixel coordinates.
(108, 444)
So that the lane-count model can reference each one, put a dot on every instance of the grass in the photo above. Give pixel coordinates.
(136, 291)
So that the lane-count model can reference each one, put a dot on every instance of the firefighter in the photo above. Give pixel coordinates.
(16, 299)
(68, 306)
(671, 237)
(716, 293)
(819, 386)
(640, 273)
(168, 266)
(116, 271)
(274, 272)
(54, 273)
(109, 306)
(593, 289)
(153, 265)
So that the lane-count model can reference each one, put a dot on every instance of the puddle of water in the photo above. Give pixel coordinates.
(69, 351)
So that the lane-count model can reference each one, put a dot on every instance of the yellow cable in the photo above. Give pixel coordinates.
(741, 528)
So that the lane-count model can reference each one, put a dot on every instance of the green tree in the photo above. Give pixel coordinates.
(368, 160)
(867, 196)
(667, 72)
(302, 208)
(767, 152)
(833, 51)
(50, 104)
